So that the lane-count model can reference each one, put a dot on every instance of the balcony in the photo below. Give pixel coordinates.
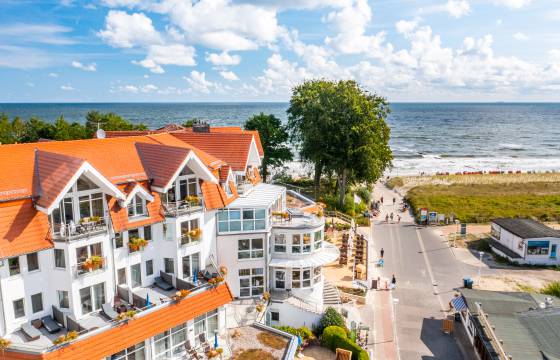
(93, 265)
(190, 238)
(296, 219)
(182, 207)
(86, 227)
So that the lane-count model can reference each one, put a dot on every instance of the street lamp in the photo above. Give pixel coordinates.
(481, 254)
(457, 222)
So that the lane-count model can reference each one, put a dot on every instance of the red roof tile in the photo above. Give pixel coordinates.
(119, 215)
(22, 229)
(159, 171)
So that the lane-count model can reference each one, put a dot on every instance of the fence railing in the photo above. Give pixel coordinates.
(90, 266)
(175, 208)
(186, 239)
(81, 229)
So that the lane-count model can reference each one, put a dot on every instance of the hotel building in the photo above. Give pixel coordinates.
(138, 242)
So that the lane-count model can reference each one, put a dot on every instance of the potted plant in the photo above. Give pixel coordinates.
(181, 294)
(195, 234)
(95, 219)
(87, 265)
(212, 353)
(4, 344)
(97, 262)
(192, 199)
(266, 296)
(260, 307)
(137, 243)
(62, 339)
(126, 315)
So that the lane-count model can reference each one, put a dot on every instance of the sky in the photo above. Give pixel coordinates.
(226, 50)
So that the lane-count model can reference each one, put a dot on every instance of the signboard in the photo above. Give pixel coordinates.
(463, 229)
(441, 218)
(423, 215)
(432, 216)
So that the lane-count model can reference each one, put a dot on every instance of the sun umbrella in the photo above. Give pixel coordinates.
(148, 304)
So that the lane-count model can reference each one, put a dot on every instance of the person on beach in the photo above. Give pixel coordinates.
(394, 201)
(382, 252)
(382, 200)
(387, 218)
(391, 216)
(394, 281)
(398, 219)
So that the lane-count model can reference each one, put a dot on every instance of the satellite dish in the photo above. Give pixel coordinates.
(100, 134)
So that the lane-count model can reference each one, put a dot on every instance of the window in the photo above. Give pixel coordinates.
(137, 207)
(32, 262)
(306, 243)
(251, 282)
(134, 233)
(149, 267)
(316, 275)
(186, 227)
(168, 265)
(191, 265)
(296, 244)
(63, 302)
(13, 264)
(230, 220)
(59, 259)
(148, 232)
(91, 205)
(299, 246)
(121, 276)
(301, 278)
(37, 303)
(537, 247)
(19, 308)
(318, 239)
(92, 297)
(280, 243)
(135, 352)
(170, 344)
(136, 275)
(118, 240)
(250, 248)
(279, 279)
(205, 324)
(274, 316)
(84, 252)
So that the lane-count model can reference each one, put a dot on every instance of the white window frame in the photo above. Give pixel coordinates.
(130, 352)
(60, 298)
(41, 300)
(280, 242)
(14, 308)
(241, 221)
(55, 251)
(134, 207)
(201, 322)
(252, 251)
(300, 283)
(172, 349)
(92, 297)
(192, 270)
(251, 275)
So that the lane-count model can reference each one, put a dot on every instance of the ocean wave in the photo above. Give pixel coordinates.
(515, 147)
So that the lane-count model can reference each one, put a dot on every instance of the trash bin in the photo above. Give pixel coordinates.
(467, 282)
(457, 317)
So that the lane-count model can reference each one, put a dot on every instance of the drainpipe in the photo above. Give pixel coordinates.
(4, 329)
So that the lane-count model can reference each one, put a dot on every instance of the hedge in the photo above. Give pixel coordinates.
(335, 337)
(331, 317)
(303, 332)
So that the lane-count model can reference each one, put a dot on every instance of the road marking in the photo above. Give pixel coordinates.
(429, 268)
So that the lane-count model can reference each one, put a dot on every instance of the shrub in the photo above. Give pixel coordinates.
(552, 288)
(335, 337)
(331, 317)
(364, 192)
(395, 182)
(304, 332)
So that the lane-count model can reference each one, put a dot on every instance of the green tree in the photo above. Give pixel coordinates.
(5, 130)
(341, 127)
(36, 129)
(274, 139)
(18, 129)
(109, 122)
(190, 122)
(66, 131)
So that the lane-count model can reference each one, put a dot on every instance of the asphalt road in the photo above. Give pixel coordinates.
(427, 273)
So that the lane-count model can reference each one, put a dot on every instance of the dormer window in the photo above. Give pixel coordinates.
(137, 207)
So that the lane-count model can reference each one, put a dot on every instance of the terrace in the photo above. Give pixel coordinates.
(87, 227)
(130, 303)
(183, 207)
(259, 342)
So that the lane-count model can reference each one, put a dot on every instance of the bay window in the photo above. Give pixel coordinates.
(230, 220)
(538, 247)
(318, 239)
(301, 278)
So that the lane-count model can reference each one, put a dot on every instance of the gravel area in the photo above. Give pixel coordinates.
(245, 338)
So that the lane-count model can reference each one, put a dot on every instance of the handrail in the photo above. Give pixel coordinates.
(341, 216)
(73, 231)
(182, 206)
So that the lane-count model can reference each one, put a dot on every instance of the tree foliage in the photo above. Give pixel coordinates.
(274, 139)
(341, 129)
(34, 129)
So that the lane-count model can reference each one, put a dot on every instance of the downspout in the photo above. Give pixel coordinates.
(2, 304)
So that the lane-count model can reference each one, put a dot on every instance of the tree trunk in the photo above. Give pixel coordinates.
(342, 179)
(317, 179)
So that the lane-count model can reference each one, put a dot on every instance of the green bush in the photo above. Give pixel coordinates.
(395, 182)
(304, 332)
(552, 288)
(335, 337)
(364, 192)
(331, 317)
(362, 221)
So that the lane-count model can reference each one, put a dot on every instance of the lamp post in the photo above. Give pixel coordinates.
(457, 222)
(481, 254)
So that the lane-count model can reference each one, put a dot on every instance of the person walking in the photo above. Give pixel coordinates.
(394, 281)
(398, 219)
(382, 200)
(391, 216)
(387, 218)
(382, 252)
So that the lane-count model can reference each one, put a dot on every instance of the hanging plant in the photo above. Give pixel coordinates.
(260, 308)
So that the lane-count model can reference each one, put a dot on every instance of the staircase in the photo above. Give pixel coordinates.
(330, 294)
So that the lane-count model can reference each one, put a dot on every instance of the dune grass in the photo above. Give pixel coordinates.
(481, 202)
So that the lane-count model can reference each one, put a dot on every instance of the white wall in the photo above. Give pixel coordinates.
(291, 315)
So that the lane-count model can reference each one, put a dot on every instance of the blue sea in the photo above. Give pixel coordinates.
(425, 137)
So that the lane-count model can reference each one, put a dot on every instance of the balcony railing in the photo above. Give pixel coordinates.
(186, 239)
(182, 207)
(94, 264)
(84, 228)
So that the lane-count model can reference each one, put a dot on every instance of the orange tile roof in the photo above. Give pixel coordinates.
(22, 229)
(224, 172)
(237, 129)
(136, 330)
(52, 174)
(233, 148)
(215, 196)
(119, 215)
(161, 172)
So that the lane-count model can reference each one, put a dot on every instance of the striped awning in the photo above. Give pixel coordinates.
(459, 303)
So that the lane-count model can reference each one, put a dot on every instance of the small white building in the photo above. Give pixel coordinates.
(525, 241)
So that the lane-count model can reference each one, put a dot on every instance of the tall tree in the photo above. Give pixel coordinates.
(109, 122)
(341, 127)
(274, 139)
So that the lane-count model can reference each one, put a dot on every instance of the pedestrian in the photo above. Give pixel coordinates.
(387, 218)
(391, 216)
(382, 252)
(394, 201)
(382, 200)
(394, 281)
(398, 219)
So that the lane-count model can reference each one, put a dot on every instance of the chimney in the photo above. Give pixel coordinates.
(201, 127)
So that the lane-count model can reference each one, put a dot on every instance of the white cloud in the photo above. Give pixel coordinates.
(229, 75)
(54, 75)
(30, 84)
(134, 89)
(223, 59)
(17, 57)
(85, 67)
(67, 87)
(173, 54)
(458, 8)
(35, 33)
(198, 83)
(125, 31)
(520, 36)
(406, 27)
(513, 4)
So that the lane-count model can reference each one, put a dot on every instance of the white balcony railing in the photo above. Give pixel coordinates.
(92, 265)
(84, 228)
(182, 207)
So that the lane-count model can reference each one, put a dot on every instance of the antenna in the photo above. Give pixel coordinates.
(100, 134)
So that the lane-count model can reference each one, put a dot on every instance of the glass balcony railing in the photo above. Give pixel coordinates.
(75, 230)
(182, 207)
(92, 265)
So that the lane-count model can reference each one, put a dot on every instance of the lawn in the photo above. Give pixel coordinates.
(481, 202)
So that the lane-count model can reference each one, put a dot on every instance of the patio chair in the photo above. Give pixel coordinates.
(50, 325)
(30, 331)
(108, 311)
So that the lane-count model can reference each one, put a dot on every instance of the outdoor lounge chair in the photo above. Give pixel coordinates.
(162, 284)
(108, 311)
(51, 325)
(30, 331)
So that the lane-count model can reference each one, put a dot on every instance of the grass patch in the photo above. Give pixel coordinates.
(395, 182)
(271, 340)
(352, 291)
(526, 288)
(479, 203)
(253, 354)
(552, 288)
